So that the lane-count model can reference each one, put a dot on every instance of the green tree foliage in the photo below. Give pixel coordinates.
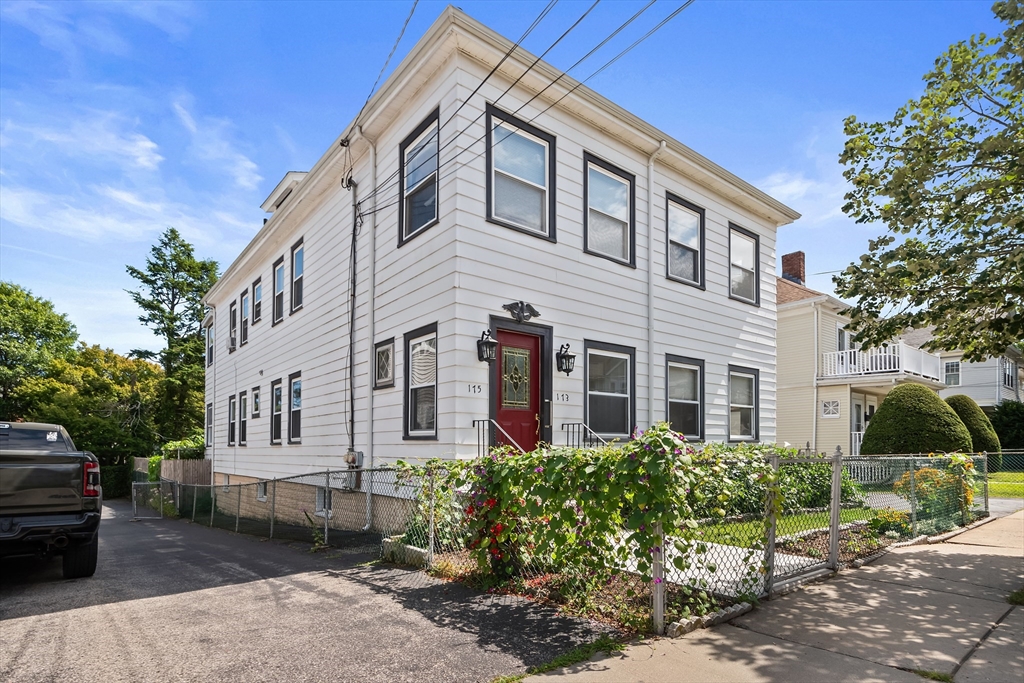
(983, 435)
(32, 335)
(913, 419)
(945, 177)
(104, 400)
(172, 287)
(1008, 421)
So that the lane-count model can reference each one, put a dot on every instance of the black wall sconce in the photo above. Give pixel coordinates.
(486, 348)
(566, 359)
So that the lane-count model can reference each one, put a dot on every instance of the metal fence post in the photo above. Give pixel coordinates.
(238, 505)
(430, 531)
(658, 574)
(913, 499)
(160, 497)
(837, 501)
(984, 474)
(135, 500)
(273, 505)
(213, 502)
(328, 502)
(193, 503)
(769, 548)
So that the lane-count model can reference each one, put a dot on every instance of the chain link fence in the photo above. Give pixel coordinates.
(822, 513)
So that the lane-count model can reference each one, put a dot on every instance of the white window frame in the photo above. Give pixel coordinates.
(831, 409)
(244, 331)
(261, 491)
(683, 205)
(735, 230)
(686, 364)
(630, 384)
(432, 128)
(324, 502)
(417, 336)
(386, 348)
(947, 372)
(1009, 373)
(497, 119)
(754, 418)
(620, 176)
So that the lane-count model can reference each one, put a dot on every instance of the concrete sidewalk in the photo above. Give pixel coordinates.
(939, 608)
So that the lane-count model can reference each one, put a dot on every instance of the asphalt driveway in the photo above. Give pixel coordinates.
(173, 601)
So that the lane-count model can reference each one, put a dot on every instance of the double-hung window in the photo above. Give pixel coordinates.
(744, 268)
(1009, 373)
(209, 345)
(232, 326)
(952, 368)
(278, 291)
(276, 404)
(257, 300)
(384, 364)
(209, 424)
(685, 391)
(611, 389)
(417, 158)
(255, 393)
(297, 270)
(685, 229)
(231, 420)
(243, 415)
(421, 383)
(520, 175)
(609, 221)
(245, 318)
(295, 408)
(742, 404)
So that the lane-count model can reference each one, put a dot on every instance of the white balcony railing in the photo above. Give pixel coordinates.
(855, 439)
(888, 359)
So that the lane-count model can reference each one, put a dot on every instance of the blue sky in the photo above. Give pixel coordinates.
(119, 119)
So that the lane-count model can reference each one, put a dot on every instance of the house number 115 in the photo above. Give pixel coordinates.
(475, 388)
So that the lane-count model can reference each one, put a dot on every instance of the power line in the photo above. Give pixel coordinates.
(386, 62)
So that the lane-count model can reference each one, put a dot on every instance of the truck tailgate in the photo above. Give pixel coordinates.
(40, 482)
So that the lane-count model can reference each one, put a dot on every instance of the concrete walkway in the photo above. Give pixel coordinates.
(939, 608)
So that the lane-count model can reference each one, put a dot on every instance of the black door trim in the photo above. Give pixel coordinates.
(546, 334)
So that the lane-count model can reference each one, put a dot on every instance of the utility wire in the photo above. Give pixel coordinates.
(534, 118)
(386, 62)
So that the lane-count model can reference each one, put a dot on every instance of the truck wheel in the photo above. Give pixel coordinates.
(80, 561)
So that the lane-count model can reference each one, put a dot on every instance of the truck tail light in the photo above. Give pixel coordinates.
(91, 480)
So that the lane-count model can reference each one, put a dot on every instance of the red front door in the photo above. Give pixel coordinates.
(518, 388)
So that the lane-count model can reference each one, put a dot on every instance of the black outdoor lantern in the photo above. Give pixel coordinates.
(566, 359)
(486, 348)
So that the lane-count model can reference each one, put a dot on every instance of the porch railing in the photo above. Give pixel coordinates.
(855, 440)
(580, 435)
(890, 358)
(487, 432)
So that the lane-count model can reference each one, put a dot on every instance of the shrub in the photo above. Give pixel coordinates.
(913, 419)
(154, 467)
(192, 447)
(116, 480)
(1008, 421)
(983, 436)
(890, 520)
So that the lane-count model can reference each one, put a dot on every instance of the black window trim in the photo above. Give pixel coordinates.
(244, 322)
(232, 421)
(433, 118)
(589, 159)
(242, 418)
(671, 198)
(291, 378)
(292, 308)
(739, 369)
(423, 331)
(275, 383)
(376, 347)
(588, 346)
(671, 358)
(257, 283)
(274, 320)
(211, 341)
(210, 435)
(492, 113)
(255, 391)
(757, 266)
(232, 326)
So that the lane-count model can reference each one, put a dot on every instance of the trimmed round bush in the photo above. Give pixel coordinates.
(913, 419)
(983, 435)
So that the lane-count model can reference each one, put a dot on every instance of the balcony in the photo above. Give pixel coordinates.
(891, 359)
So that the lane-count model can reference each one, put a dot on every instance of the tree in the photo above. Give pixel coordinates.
(983, 435)
(172, 287)
(32, 334)
(945, 177)
(1008, 421)
(913, 419)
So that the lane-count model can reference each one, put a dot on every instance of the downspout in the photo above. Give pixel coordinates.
(814, 381)
(353, 187)
(213, 413)
(650, 282)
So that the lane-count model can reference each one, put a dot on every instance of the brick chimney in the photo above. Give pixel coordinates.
(793, 267)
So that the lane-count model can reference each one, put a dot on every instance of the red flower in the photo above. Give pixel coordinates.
(469, 510)
(491, 502)
(497, 528)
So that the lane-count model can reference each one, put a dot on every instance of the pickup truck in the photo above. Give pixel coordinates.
(50, 497)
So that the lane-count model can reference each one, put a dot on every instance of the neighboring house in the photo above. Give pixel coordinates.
(988, 382)
(828, 387)
(578, 226)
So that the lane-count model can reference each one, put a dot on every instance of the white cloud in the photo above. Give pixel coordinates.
(819, 200)
(211, 143)
(92, 134)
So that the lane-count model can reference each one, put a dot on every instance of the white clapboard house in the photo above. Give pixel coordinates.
(572, 234)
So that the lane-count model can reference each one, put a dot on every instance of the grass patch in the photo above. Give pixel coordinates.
(1016, 597)
(934, 675)
(750, 534)
(1006, 485)
(605, 644)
